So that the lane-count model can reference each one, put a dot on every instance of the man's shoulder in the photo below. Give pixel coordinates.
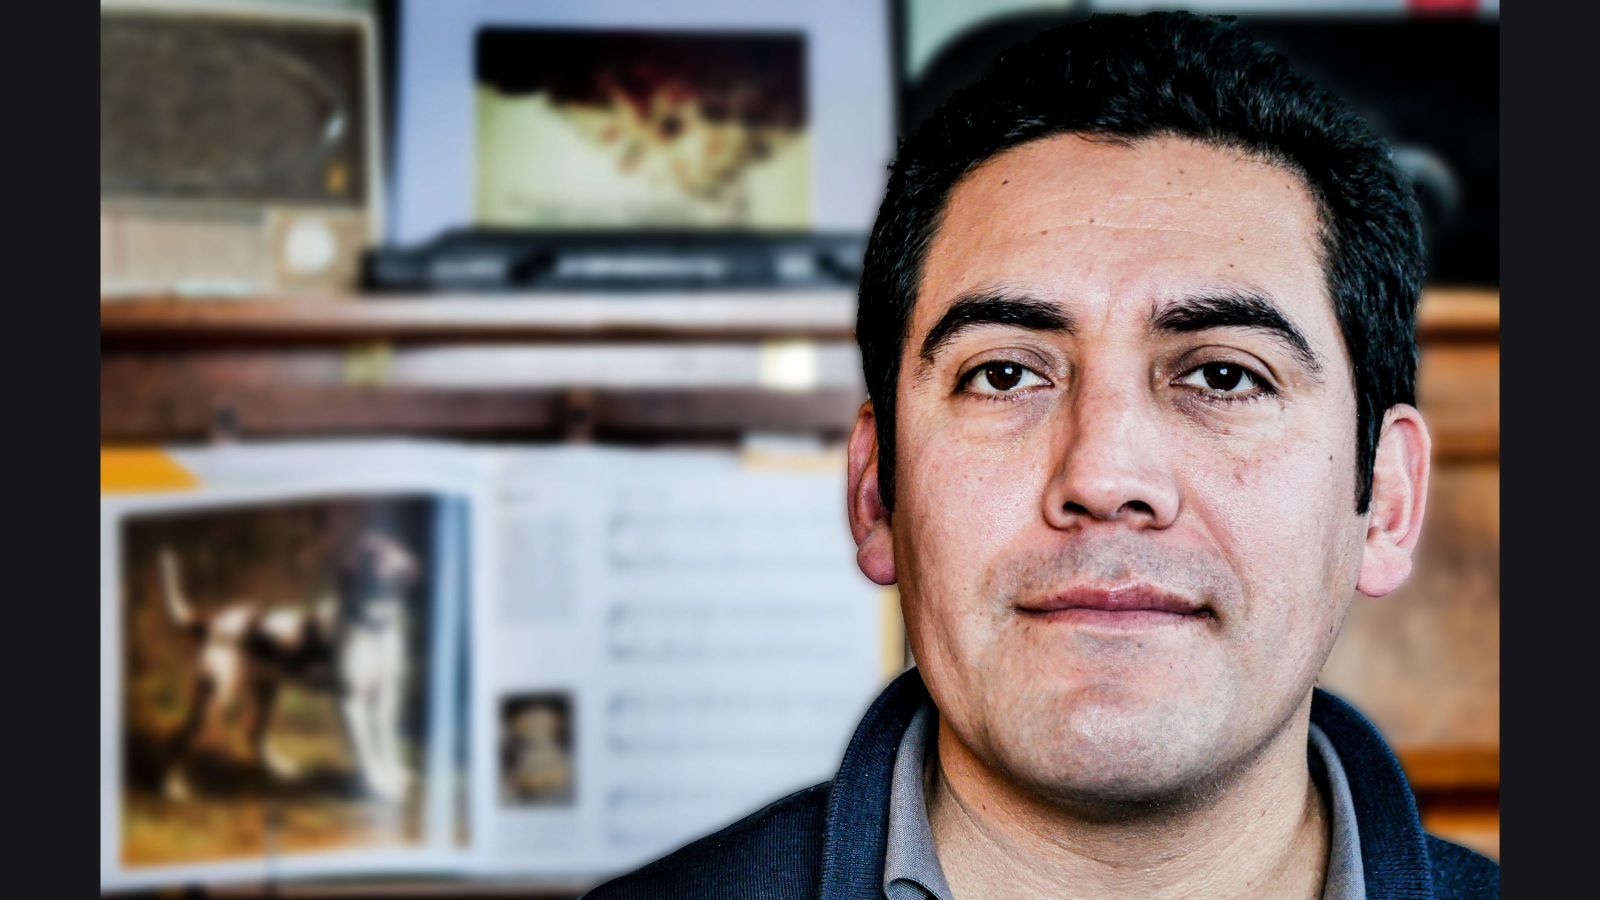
(1459, 872)
(773, 852)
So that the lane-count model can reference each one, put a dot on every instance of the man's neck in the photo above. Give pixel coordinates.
(1264, 833)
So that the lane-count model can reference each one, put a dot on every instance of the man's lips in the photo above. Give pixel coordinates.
(1128, 605)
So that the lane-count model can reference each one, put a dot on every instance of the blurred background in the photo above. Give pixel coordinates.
(621, 224)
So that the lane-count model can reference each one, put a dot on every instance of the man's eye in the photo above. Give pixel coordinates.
(1001, 378)
(1224, 378)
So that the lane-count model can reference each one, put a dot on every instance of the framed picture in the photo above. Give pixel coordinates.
(624, 115)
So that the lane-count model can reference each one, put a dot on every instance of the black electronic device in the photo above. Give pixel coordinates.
(489, 260)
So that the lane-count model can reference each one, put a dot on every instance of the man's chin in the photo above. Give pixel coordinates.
(1116, 751)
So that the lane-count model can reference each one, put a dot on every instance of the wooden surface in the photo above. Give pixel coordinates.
(821, 315)
(153, 396)
(145, 403)
(186, 370)
(1445, 314)
(1438, 769)
(1458, 391)
(408, 887)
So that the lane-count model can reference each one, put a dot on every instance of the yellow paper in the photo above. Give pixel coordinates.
(124, 470)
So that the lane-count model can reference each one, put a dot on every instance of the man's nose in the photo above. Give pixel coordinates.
(1113, 461)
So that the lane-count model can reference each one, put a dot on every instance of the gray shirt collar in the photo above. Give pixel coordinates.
(911, 868)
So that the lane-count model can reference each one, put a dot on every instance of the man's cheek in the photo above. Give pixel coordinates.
(1273, 512)
(1279, 464)
(984, 492)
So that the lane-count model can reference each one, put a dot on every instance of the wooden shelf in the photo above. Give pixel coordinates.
(1453, 313)
(1451, 769)
(420, 886)
(160, 409)
(823, 315)
(189, 369)
(722, 315)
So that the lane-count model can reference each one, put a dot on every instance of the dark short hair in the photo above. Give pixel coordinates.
(1131, 77)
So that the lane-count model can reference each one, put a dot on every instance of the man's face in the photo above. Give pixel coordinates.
(1124, 527)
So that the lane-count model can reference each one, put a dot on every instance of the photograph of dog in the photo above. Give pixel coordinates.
(276, 670)
(350, 641)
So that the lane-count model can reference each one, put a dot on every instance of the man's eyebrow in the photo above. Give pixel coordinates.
(993, 308)
(1235, 309)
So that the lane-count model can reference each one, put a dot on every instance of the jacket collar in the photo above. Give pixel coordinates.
(1394, 848)
(1394, 854)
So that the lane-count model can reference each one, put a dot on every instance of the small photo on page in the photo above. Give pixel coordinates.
(276, 668)
(536, 765)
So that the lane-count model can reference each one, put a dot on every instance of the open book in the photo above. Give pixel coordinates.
(392, 657)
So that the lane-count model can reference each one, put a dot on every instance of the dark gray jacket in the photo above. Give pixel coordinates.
(829, 841)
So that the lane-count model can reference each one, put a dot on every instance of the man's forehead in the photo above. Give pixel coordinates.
(1118, 229)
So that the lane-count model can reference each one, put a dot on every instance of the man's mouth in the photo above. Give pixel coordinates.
(1130, 606)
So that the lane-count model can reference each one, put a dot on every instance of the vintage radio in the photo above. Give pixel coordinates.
(238, 147)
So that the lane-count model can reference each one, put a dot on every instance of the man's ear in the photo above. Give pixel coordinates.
(869, 520)
(1399, 495)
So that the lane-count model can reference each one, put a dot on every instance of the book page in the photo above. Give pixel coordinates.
(674, 641)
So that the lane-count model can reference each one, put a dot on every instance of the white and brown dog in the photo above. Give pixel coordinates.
(353, 642)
